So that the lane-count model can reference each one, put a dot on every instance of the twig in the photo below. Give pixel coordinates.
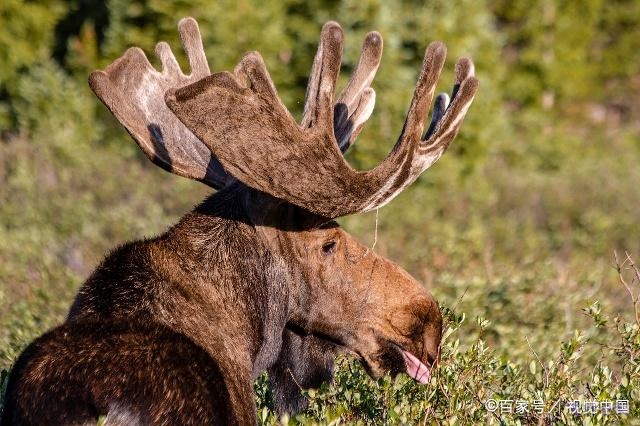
(544, 369)
(620, 268)
(460, 298)
(427, 415)
(375, 233)
(634, 267)
(475, 396)
(294, 379)
(375, 237)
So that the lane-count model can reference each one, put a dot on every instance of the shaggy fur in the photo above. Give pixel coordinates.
(72, 373)
(231, 281)
(305, 362)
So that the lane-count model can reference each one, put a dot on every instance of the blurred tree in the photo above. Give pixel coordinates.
(616, 53)
(560, 52)
(79, 16)
(25, 40)
(286, 34)
(562, 59)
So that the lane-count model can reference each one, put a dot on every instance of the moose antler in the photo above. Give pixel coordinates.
(257, 140)
(134, 92)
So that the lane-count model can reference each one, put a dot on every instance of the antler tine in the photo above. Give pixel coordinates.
(439, 107)
(311, 96)
(352, 126)
(192, 43)
(253, 68)
(168, 61)
(134, 92)
(423, 94)
(447, 117)
(365, 70)
(412, 154)
(355, 104)
(318, 107)
(259, 143)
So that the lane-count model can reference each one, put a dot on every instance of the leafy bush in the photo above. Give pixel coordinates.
(473, 374)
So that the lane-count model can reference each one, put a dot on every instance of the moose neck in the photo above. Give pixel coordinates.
(218, 276)
(280, 226)
(244, 287)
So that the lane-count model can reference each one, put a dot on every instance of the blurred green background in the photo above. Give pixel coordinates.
(516, 224)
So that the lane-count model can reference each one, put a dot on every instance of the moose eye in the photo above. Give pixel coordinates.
(329, 247)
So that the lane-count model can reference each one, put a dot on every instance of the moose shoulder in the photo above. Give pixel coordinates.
(258, 277)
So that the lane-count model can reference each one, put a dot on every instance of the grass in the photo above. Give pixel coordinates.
(518, 251)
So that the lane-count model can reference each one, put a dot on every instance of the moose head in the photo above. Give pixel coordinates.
(260, 276)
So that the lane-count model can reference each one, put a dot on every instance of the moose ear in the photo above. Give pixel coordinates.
(134, 93)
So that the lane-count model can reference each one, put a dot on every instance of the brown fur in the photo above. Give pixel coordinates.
(83, 369)
(305, 362)
(229, 280)
(258, 277)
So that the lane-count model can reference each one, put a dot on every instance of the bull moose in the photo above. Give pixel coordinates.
(258, 277)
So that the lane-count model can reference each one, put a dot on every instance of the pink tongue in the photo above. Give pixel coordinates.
(416, 369)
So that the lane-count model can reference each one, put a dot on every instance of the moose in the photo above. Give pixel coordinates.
(259, 276)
